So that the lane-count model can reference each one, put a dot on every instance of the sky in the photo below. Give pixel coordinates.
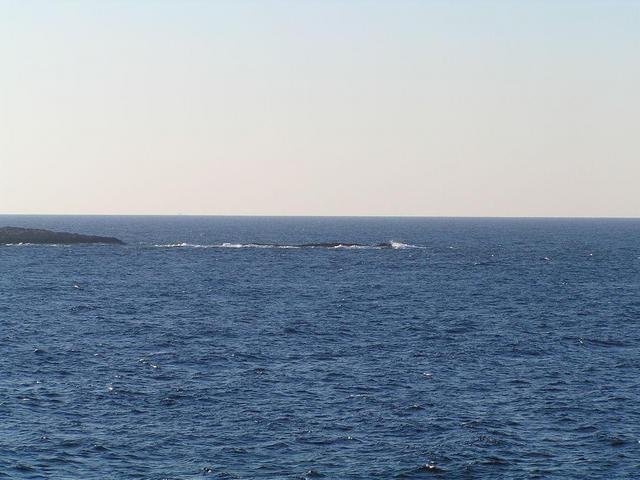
(320, 107)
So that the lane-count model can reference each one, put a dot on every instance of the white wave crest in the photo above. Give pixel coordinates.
(253, 245)
(21, 244)
(337, 246)
(222, 245)
(179, 245)
(401, 246)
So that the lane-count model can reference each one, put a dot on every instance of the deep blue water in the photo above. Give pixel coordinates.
(500, 348)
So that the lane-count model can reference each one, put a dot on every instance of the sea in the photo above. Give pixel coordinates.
(322, 348)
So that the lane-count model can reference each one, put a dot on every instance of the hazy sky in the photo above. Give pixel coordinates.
(320, 107)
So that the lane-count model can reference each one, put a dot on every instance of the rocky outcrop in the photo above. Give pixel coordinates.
(14, 235)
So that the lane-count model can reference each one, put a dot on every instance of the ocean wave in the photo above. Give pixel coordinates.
(178, 245)
(223, 245)
(25, 244)
(400, 245)
(253, 245)
(326, 245)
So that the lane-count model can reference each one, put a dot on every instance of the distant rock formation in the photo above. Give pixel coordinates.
(14, 235)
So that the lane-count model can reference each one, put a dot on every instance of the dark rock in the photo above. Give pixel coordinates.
(13, 235)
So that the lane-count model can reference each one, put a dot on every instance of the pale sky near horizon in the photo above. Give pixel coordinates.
(397, 107)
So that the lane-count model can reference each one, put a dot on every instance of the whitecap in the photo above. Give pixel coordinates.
(400, 245)
(334, 246)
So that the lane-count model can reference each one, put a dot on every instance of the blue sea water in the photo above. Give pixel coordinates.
(471, 348)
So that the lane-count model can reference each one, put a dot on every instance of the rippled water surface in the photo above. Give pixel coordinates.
(291, 348)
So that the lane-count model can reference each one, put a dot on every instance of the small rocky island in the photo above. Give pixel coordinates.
(15, 235)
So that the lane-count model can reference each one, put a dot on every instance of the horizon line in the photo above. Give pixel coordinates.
(506, 217)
